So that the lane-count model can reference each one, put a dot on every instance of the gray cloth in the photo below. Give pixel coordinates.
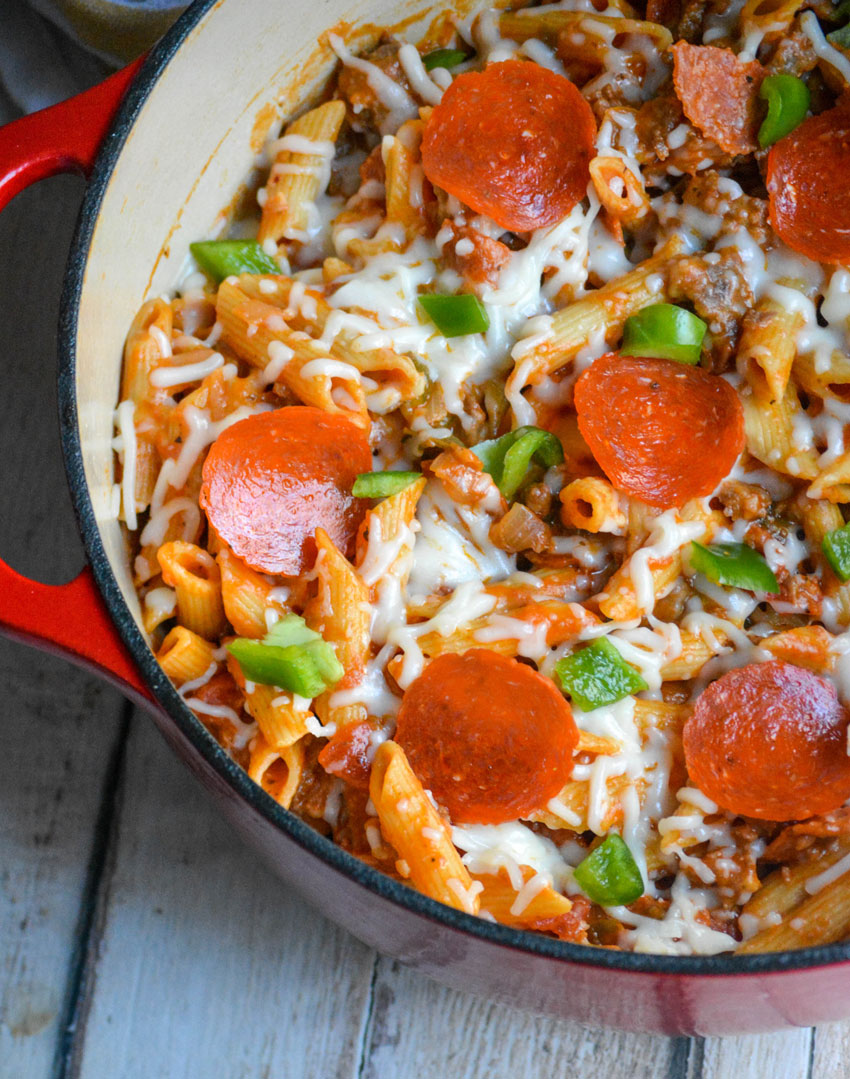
(39, 64)
(44, 59)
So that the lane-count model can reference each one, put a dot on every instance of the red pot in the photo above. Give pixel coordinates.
(165, 147)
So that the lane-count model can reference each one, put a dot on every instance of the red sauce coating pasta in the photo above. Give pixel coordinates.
(347, 754)
(513, 141)
(661, 431)
(807, 183)
(271, 480)
(770, 741)
(491, 738)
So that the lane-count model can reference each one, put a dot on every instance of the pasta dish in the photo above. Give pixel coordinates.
(485, 486)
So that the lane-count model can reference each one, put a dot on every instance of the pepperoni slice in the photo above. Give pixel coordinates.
(807, 183)
(661, 431)
(270, 480)
(513, 141)
(770, 741)
(491, 738)
(719, 94)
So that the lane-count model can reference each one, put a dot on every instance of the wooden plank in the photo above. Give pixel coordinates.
(447, 1033)
(781, 1055)
(59, 733)
(830, 1051)
(59, 726)
(206, 964)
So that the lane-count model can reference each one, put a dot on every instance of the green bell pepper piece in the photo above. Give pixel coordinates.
(598, 675)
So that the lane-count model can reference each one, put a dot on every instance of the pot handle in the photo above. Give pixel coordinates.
(70, 619)
(64, 138)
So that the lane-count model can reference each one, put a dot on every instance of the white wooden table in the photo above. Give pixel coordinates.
(138, 938)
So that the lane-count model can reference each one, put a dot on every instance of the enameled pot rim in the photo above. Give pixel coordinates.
(203, 743)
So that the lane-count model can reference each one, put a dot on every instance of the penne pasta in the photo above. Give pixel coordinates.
(258, 334)
(603, 312)
(770, 427)
(404, 178)
(300, 172)
(768, 19)
(619, 190)
(247, 596)
(341, 612)
(536, 905)
(417, 832)
(148, 346)
(196, 579)
(593, 505)
(184, 656)
(486, 501)
(768, 343)
(278, 773)
(396, 375)
(282, 719)
(696, 651)
(810, 912)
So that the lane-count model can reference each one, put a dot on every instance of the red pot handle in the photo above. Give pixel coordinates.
(64, 138)
(69, 619)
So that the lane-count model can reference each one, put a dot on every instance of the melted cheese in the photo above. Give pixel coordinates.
(668, 536)
(679, 932)
(490, 847)
(166, 377)
(446, 551)
(373, 691)
(648, 760)
(156, 528)
(468, 602)
(453, 546)
(417, 76)
(161, 603)
(385, 566)
(838, 869)
(836, 59)
(395, 99)
(530, 636)
(127, 429)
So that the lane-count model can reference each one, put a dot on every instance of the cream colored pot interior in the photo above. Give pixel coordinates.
(245, 65)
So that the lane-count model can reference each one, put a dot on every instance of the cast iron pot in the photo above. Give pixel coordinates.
(166, 144)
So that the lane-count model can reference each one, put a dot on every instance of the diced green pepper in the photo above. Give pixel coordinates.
(734, 564)
(841, 12)
(787, 100)
(293, 668)
(598, 675)
(455, 316)
(509, 458)
(291, 656)
(443, 58)
(290, 629)
(609, 875)
(840, 38)
(665, 332)
(222, 258)
(382, 484)
(836, 549)
(324, 656)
